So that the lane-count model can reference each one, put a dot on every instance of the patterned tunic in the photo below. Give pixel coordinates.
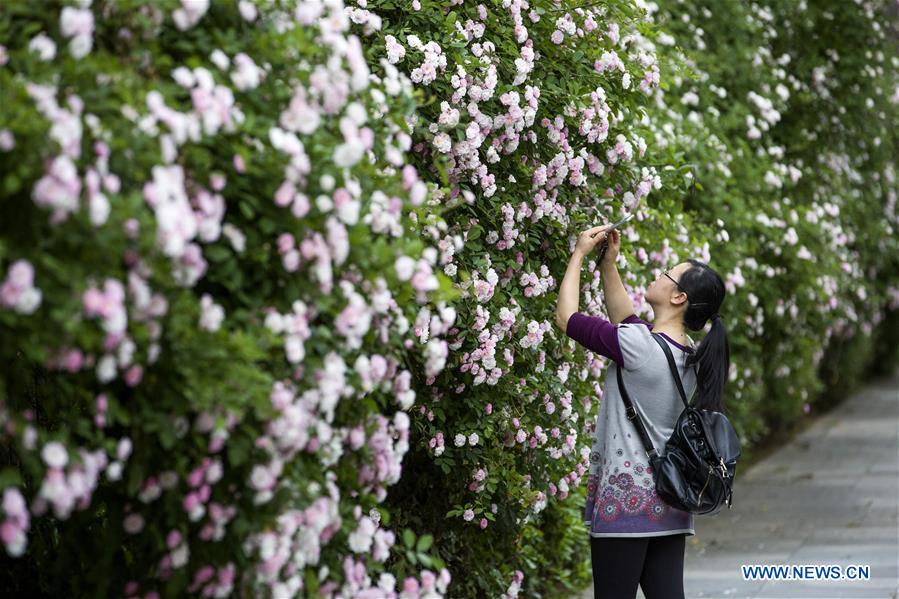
(621, 496)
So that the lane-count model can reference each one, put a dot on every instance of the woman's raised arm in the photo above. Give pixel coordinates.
(618, 303)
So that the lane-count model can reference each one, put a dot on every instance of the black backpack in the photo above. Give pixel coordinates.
(697, 471)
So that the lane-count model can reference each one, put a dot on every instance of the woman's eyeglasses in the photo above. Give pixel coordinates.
(675, 282)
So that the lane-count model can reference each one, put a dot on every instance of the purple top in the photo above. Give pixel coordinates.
(601, 336)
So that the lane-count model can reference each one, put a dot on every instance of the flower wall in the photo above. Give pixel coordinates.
(278, 279)
(757, 150)
(207, 302)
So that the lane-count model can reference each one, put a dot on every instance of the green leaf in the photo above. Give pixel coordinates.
(11, 183)
(408, 538)
(166, 437)
(237, 452)
(424, 543)
(246, 209)
(10, 477)
(311, 581)
(216, 253)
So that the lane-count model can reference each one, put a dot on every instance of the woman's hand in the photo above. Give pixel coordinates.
(590, 238)
(614, 241)
(594, 238)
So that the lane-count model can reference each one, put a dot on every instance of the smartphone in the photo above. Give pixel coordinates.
(605, 242)
(621, 222)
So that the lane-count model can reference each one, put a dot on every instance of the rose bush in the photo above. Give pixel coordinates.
(532, 122)
(278, 277)
(799, 164)
(207, 298)
(546, 119)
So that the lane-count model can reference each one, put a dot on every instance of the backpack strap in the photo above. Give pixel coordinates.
(632, 415)
(680, 389)
(629, 409)
(671, 365)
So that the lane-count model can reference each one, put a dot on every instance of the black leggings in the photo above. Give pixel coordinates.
(656, 563)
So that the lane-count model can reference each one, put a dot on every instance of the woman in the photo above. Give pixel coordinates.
(635, 537)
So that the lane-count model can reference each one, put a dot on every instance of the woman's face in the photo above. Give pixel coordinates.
(664, 285)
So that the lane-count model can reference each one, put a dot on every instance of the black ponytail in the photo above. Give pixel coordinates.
(705, 293)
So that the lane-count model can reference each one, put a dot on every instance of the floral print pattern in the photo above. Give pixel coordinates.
(624, 500)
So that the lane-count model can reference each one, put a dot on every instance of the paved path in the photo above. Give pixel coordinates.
(829, 496)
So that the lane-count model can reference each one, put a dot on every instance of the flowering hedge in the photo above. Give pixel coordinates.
(719, 154)
(796, 155)
(531, 122)
(721, 161)
(278, 278)
(206, 297)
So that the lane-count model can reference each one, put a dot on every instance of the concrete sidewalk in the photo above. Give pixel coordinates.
(830, 496)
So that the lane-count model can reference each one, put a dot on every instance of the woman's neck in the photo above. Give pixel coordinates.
(672, 329)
